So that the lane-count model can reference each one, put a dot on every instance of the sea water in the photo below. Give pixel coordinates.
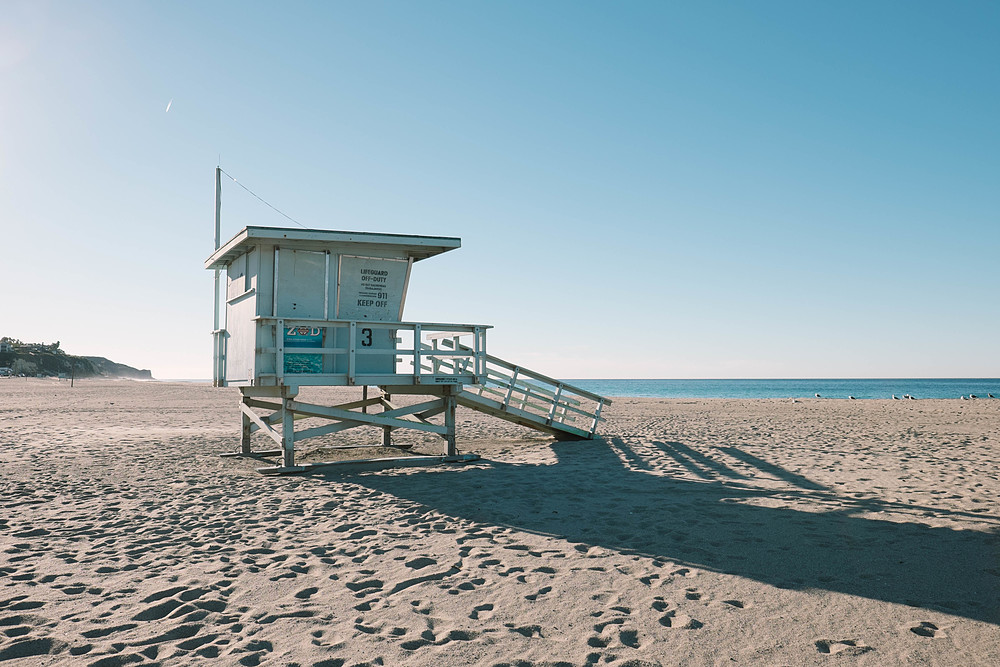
(805, 388)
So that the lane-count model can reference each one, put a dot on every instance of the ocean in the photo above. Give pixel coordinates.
(826, 388)
(802, 388)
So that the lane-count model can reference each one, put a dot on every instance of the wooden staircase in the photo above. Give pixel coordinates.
(520, 395)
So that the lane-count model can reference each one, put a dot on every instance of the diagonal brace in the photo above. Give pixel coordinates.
(262, 425)
(389, 418)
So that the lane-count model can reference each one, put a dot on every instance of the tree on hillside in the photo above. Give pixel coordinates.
(22, 367)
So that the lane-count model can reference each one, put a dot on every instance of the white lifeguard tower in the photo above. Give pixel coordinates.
(313, 307)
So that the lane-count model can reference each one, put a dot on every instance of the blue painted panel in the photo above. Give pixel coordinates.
(303, 337)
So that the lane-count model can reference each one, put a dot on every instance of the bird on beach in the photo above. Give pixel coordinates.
(989, 395)
(818, 396)
(963, 398)
(973, 396)
(895, 398)
(851, 398)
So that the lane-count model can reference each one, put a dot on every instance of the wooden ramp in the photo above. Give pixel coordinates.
(522, 396)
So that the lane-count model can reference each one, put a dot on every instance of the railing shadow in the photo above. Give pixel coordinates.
(771, 469)
(589, 496)
(696, 462)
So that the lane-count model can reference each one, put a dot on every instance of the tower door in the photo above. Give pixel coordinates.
(302, 293)
(302, 284)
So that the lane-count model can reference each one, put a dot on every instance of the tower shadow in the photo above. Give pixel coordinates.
(595, 496)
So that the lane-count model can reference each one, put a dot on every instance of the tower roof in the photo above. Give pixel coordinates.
(417, 247)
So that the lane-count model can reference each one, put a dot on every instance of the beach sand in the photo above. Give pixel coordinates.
(696, 532)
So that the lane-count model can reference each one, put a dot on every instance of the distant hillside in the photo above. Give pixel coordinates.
(31, 359)
(112, 369)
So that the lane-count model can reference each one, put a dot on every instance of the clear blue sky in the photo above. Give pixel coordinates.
(643, 189)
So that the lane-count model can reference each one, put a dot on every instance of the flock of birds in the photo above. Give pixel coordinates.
(907, 397)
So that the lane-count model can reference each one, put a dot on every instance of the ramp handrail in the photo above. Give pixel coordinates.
(519, 389)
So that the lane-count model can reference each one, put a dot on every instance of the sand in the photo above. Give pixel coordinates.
(697, 532)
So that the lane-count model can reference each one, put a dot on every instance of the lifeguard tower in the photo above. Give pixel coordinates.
(314, 307)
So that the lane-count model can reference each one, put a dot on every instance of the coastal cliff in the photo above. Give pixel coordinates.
(19, 358)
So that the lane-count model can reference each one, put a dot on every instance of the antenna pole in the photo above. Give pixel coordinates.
(218, 227)
(217, 375)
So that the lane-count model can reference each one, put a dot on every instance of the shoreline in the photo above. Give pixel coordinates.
(613, 397)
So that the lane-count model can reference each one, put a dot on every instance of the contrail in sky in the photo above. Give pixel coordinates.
(168, 105)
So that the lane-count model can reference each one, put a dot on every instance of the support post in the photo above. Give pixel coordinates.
(417, 337)
(477, 357)
(352, 340)
(246, 431)
(287, 433)
(279, 343)
(386, 430)
(449, 423)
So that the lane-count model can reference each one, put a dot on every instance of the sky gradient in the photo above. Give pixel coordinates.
(649, 190)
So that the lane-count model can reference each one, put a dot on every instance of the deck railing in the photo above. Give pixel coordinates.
(406, 359)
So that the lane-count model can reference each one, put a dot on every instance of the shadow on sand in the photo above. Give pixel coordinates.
(597, 497)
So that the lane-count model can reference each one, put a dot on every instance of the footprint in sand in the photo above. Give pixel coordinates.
(32, 647)
(307, 593)
(414, 644)
(629, 638)
(470, 585)
(367, 629)
(481, 612)
(662, 606)
(928, 629)
(158, 611)
(343, 528)
(674, 618)
(845, 646)
(176, 605)
(25, 606)
(365, 586)
(599, 627)
(422, 607)
(528, 631)
(541, 591)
